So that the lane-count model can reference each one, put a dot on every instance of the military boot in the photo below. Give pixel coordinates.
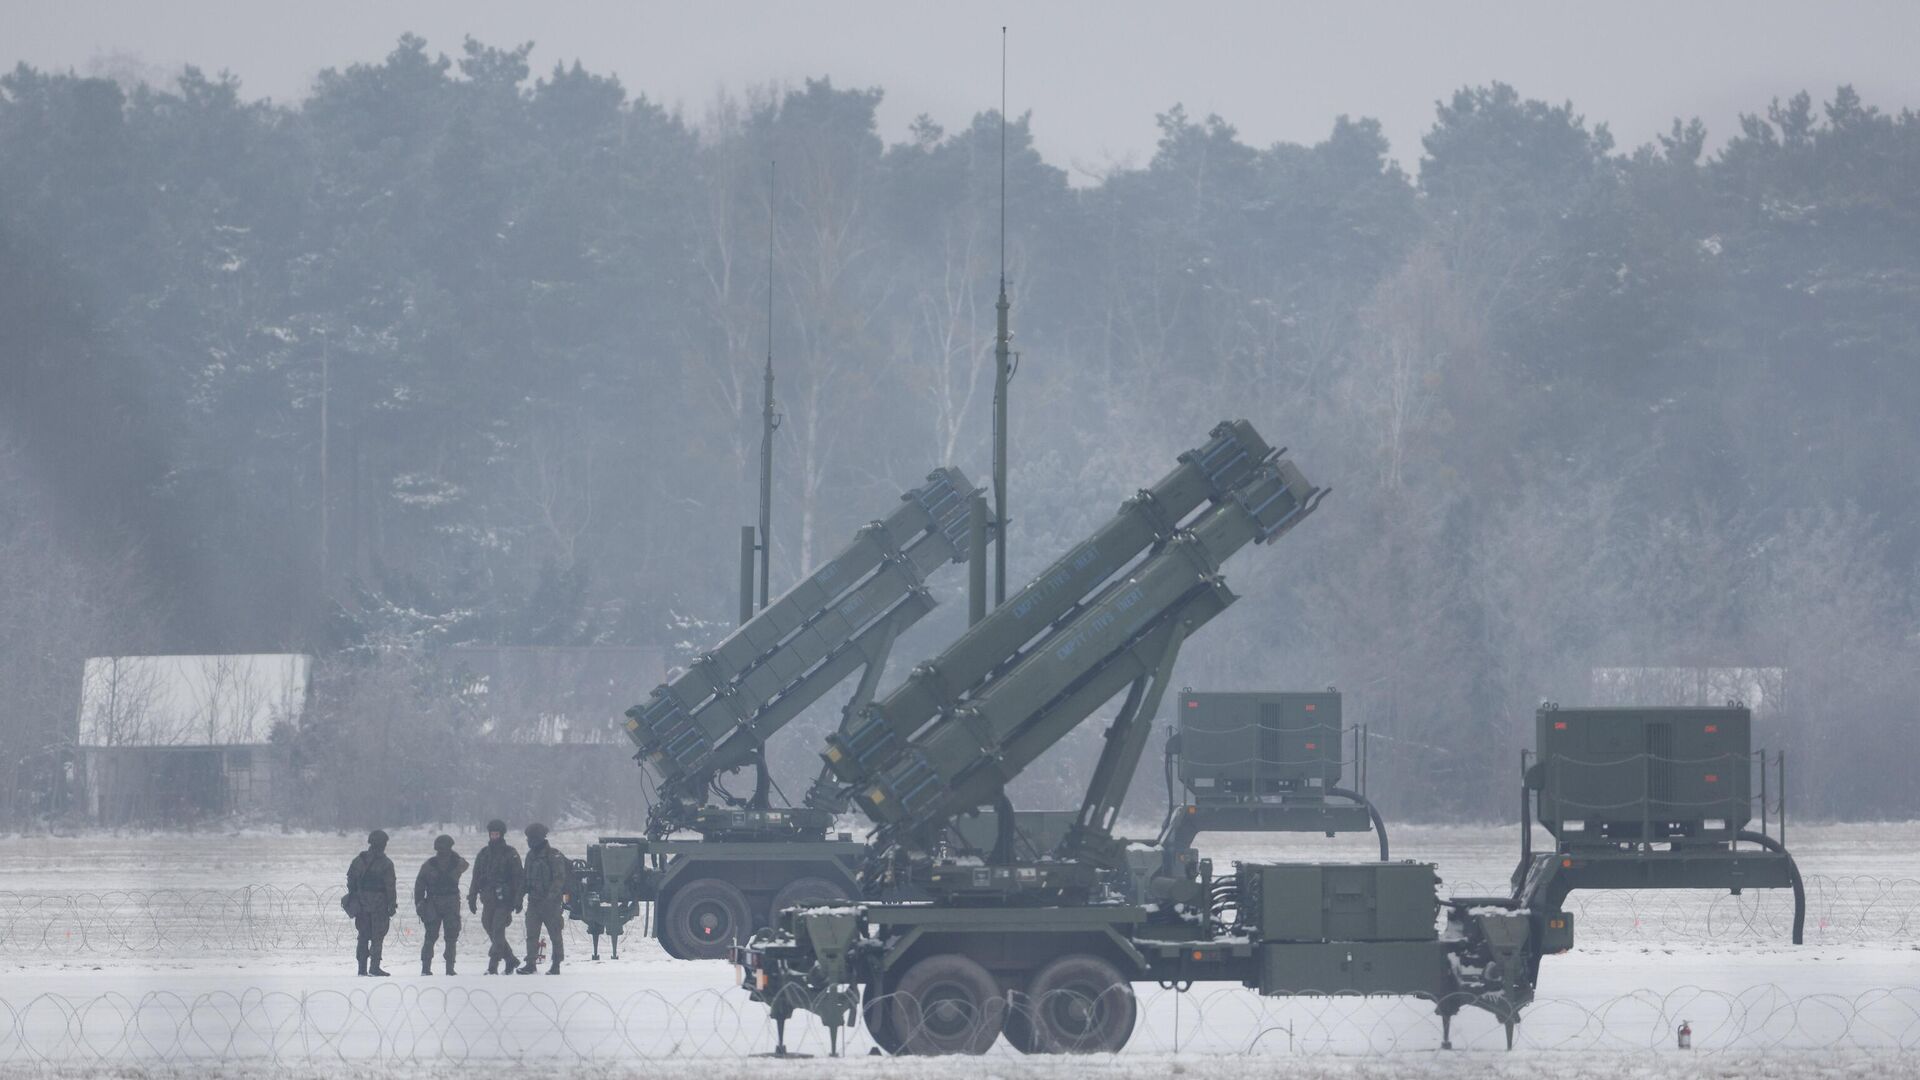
(426, 967)
(528, 968)
(360, 955)
(554, 968)
(449, 959)
(426, 960)
(493, 965)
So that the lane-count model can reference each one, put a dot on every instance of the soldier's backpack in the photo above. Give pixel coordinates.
(350, 900)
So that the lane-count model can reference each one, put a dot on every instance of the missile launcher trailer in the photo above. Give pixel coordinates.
(709, 894)
(1266, 762)
(1044, 952)
(715, 717)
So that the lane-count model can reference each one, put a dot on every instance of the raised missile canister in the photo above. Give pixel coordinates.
(1207, 474)
(970, 751)
(804, 632)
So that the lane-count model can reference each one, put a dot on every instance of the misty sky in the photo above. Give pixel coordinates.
(1093, 73)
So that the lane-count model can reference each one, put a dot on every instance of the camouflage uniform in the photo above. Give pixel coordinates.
(371, 889)
(495, 890)
(436, 898)
(547, 878)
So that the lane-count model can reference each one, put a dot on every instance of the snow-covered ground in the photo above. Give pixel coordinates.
(223, 953)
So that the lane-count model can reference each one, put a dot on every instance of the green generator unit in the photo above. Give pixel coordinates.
(1366, 928)
(1667, 774)
(1308, 902)
(1259, 747)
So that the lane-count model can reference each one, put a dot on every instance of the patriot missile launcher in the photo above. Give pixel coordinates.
(715, 717)
(1044, 952)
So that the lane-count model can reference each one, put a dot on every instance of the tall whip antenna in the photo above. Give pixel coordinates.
(1002, 362)
(769, 420)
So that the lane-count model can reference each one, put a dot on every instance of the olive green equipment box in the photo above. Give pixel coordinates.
(1645, 797)
(1653, 798)
(1266, 762)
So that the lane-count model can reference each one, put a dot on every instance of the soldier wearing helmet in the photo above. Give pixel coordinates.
(494, 891)
(436, 899)
(372, 900)
(548, 876)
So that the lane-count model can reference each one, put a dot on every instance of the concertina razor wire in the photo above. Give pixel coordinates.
(394, 1026)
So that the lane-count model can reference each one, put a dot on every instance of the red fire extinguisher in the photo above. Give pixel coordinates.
(1686, 1034)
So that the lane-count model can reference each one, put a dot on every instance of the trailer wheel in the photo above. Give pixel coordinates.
(1079, 1004)
(875, 1011)
(1018, 1029)
(703, 918)
(946, 1004)
(806, 890)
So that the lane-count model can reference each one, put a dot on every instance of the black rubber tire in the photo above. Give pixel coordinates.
(1018, 1029)
(660, 931)
(1080, 1004)
(875, 1012)
(946, 1004)
(806, 890)
(703, 919)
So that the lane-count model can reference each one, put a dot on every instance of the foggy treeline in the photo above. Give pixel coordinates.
(455, 352)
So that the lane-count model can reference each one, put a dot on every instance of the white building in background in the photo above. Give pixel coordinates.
(183, 738)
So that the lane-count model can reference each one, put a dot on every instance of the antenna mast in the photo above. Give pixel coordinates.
(1002, 362)
(768, 420)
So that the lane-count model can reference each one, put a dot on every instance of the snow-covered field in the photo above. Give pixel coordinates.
(222, 954)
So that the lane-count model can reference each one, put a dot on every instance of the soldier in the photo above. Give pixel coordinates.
(547, 878)
(436, 898)
(496, 883)
(371, 890)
